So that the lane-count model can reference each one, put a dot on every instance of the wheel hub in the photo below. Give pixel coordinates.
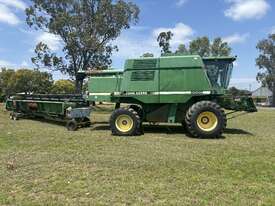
(124, 123)
(207, 121)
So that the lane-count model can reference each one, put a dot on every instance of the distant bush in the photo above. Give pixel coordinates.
(63, 87)
(24, 81)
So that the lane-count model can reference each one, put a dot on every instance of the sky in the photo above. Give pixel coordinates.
(242, 23)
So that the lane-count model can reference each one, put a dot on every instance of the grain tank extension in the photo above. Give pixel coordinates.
(175, 89)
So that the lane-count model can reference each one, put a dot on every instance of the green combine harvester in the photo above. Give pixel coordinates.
(174, 89)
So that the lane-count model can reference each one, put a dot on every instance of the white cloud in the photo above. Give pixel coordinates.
(139, 28)
(180, 3)
(24, 64)
(53, 41)
(182, 33)
(272, 31)
(4, 63)
(236, 38)
(247, 9)
(132, 46)
(136, 43)
(6, 16)
(14, 3)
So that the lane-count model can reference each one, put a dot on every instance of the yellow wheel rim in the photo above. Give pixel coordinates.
(124, 123)
(207, 121)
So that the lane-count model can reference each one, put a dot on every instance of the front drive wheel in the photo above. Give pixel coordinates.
(205, 119)
(125, 122)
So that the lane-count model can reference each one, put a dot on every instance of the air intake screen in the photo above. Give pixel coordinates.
(143, 76)
(145, 64)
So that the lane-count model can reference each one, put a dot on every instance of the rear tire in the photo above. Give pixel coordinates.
(205, 119)
(125, 122)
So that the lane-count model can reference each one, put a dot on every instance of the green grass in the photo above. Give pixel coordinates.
(44, 164)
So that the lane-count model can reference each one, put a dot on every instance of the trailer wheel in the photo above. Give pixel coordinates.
(72, 125)
(205, 119)
(13, 116)
(125, 122)
(87, 122)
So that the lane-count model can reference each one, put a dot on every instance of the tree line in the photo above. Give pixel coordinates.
(200, 46)
(28, 81)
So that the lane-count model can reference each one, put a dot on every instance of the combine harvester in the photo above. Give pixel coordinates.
(174, 89)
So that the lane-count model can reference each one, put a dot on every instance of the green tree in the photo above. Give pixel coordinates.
(86, 28)
(24, 81)
(200, 46)
(147, 55)
(220, 48)
(182, 49)
(266, 63)
(63, 87)
(7, 83)
(32, 81)
(164, 39)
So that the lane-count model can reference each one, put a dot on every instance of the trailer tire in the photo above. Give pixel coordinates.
(125, 122)
(72, 125)
(13, 116)
(205, 119)
(87, 122)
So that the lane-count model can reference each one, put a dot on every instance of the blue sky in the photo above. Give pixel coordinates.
(242, 23)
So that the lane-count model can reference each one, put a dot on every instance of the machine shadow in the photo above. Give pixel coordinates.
(237, 132)
(168, 129)
(43, 120)
(151, 129)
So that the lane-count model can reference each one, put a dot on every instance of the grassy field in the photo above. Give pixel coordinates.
(44, 164)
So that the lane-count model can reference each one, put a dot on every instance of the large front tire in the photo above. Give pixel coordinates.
(125, 122)
(205, 119)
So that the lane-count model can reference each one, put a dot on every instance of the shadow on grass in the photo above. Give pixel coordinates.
(153, 129)
(237, 131)
(168, 129)
(147, 129)
(150, 129)
(43, 120)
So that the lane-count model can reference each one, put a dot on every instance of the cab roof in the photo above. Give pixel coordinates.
(233, 58)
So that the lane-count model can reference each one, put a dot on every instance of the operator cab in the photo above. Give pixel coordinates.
(219, 70)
